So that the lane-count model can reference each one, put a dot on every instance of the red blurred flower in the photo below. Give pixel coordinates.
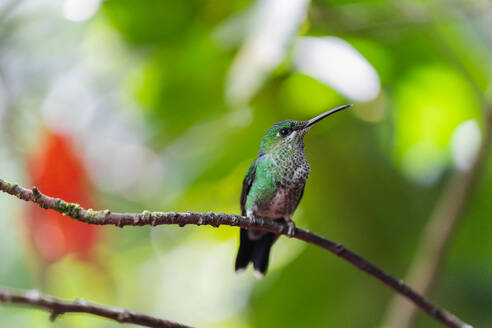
(58, 171)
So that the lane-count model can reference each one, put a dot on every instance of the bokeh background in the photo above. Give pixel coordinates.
(161, 105)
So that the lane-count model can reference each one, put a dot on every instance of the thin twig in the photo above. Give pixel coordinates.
(106, 217)
(58, 307)
(438, 233)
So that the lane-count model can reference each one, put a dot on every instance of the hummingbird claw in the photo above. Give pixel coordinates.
(291, 230)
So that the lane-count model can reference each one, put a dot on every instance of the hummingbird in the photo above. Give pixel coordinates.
(273, 187)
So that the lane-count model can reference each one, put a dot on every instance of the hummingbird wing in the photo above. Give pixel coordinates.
(247, 182)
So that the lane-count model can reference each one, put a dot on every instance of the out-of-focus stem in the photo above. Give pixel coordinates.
(438, 233)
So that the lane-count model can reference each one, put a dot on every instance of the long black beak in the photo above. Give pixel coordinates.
(322, 116)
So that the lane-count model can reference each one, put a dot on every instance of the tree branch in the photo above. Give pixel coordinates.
(106, 217)
(58, 307)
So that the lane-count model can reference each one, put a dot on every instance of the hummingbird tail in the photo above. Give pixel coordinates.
(261, 254)
(246, 247)
(256, 251)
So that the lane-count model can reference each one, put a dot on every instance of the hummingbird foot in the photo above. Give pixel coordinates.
(252, 217)
(291, 228)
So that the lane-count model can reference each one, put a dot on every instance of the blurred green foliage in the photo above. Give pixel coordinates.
(376, 171)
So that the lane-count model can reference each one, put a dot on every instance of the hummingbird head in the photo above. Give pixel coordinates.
(290, 133)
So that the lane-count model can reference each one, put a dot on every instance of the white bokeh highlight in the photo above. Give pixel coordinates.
(203, 276)
(336, 63)
(271, 27)
(465, 144)
(80, 10)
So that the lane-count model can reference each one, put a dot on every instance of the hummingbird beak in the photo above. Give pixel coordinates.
(322, 116)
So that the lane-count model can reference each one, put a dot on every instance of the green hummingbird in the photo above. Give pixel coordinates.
(273, 187)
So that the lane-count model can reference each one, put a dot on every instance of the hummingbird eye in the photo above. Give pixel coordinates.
(284, 132)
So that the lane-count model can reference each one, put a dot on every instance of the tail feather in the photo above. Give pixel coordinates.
(256, 251)
(246, 247)
(261, 253)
